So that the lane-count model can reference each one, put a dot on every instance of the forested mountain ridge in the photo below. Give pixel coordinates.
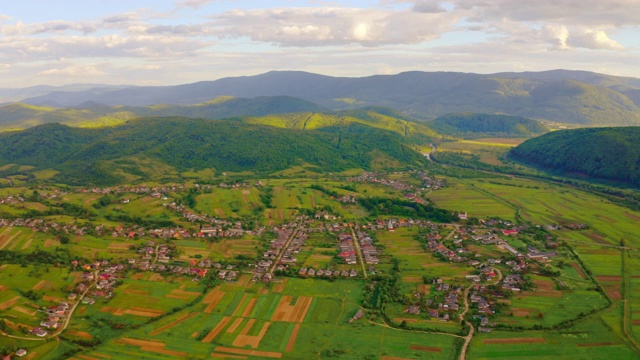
(111, 155)
(575, 97)
(474, 125)
(600, 153)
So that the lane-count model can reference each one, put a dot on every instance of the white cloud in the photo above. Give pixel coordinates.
(569, 12)
(114, 46)
(428, 6)
(594, 39)
(74, 71)
(192, 3)
(556, 35)
(392, 36)
(333, 26)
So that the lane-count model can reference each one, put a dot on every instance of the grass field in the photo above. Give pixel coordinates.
(590, 340)
(50, 283)
(488, 150)
(464, 197)
(309, 317)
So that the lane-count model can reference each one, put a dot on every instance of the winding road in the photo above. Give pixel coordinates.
(467, 339)
(67, 318)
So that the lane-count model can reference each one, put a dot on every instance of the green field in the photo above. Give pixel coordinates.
(583, 302)
(589, 340)
(463, 196)
(322, 328)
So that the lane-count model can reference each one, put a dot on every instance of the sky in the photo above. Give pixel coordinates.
(167, 42)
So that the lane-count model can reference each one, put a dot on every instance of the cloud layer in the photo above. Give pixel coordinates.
(205, 39)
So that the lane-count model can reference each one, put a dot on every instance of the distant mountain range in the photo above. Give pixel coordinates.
(9, 95)
(573, 97)
(91, 114)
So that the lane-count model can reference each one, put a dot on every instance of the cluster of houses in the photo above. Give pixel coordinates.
(191, 270)
(411, 192)
(390, 224)
(277, 251)
(153, 191)
(444, 252)
(217, 228)
(369, 251)
(262, 270)
(277, 245)
(56, 315)
(535, 254)
(156, 258)
(151, 253)
(310, 272)
(375, 178)
(441, 310)
(10, 200)
(231, 186)
(347, 251)
(98, 280)
(348, 199)
(324, 215)
(228, 273)
(512, 282)
(220, 229)
(431, 182)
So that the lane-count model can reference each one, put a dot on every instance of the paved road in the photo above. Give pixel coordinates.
(284, 248)
(156, 258)
(467, 341)
(356, 243)
(73, 308)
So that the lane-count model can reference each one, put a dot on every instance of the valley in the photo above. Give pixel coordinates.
(319, 180)
(356, 264)
(273, 227)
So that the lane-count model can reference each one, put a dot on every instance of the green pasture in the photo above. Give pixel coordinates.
(463, 196)
(590, 339)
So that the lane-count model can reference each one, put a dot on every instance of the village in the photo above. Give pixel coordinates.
(358, 256)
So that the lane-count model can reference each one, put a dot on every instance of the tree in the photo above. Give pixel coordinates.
(64, 238)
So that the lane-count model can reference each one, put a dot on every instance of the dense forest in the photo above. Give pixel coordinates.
(474, 125)
(601, 153)
(86, 156)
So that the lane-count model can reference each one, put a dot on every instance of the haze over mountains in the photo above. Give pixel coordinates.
(572, 97)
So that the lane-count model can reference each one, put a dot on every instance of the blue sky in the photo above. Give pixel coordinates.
(160, 42)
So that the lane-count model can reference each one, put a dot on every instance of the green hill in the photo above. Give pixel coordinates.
(472, 125)
(89, 114)
(379, 118)
(599, 153)
(129, 151)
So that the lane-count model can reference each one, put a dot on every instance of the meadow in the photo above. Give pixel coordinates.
(297, 319)
(591, 339)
